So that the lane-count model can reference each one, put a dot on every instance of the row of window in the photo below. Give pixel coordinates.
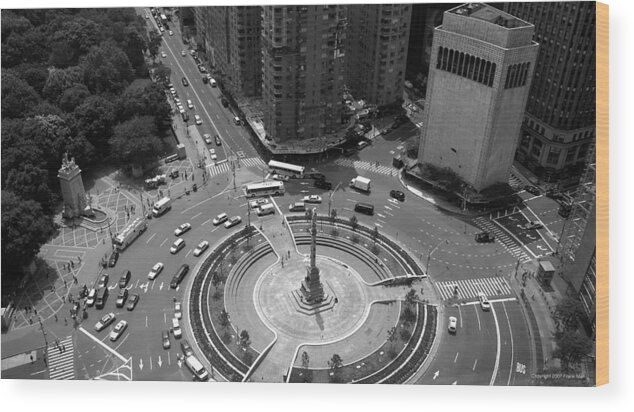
(465, 65)
(516, 75)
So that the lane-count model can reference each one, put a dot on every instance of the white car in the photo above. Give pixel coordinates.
(156, 269)
(161, 29)
(199, 121)
(181, 109)
(202, 246)
(190, 104)
(171, 33)
(453, 322)
(282, 178)
(213, 154)
(531, 225)
(312, 199)
(173, 91)
(163, 54)
(221, 218)
(254, 204)
(177, 310)
(178, 245)
(484, 302)
(207, 138)
(183, 52)
(182, 229)
(233, 221)
(177, 100)
(92, 295)
(105, 321)
(118, 330)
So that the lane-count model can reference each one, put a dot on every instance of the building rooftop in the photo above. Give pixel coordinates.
(489, 14)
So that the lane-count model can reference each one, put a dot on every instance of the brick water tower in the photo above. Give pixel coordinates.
(73, 193)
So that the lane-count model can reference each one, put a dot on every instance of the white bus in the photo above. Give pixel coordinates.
(265, 189)
(286, 169)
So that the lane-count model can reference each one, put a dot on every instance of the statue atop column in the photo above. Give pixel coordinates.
(312, 291)
(72, 186)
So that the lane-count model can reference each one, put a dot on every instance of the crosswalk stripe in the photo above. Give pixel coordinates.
(470, 288)
(61, 365)
(370, 167)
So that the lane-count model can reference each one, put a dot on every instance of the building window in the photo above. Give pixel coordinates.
(571, 155)
(537, 148)
(553, 155)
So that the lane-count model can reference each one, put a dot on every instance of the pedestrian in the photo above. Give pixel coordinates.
(64, 280)
(44, 360)
(63, 348)
(60, 349)
(56, 317)
(35, 311)
(31, 359)
(79, 259)
(65, 322)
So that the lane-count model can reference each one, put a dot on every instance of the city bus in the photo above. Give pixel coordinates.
(286, 169)
(265, 189)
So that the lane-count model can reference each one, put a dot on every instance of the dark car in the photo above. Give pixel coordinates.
(166, 339)
(122, 297)
(349, 152)
(484, 237)
(532, 190)
(322, 184)
(125, 278)
(224, 102)
(178, 277)
(564, 211)
(134, 299)
(186, 348)
(205, 79)
(185, 82)
(317, 176)
(103, 281)
(114, 256)
(174, 173)
(398, 195)
(218, 141)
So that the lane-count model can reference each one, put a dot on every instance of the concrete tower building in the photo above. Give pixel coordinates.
(481, 69)
(376, 52)
(559, 127)
(231, 38)
(302, 81)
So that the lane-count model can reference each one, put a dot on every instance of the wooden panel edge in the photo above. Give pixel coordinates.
(602, 187)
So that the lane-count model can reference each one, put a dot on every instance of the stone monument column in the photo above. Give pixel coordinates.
(312, 291)
(73, 193)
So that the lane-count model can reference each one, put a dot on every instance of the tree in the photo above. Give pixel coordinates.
(354, 222)
(224, 318)
(30, 182)
(408, 315)
(61, 79)
(18, 97)
(25, 228)
(149, 101)
(308, 374)
(216, 280)
(571, 347)
(35, 74)
(74, 38)
(567, 314)
(106, 68)
(153, 44)
(245, 339)
(405, 334)
(335, 362)
(134, 142)
(375, 234)
(95, 120)
(305, 360)
(411, 297)
(73, 97)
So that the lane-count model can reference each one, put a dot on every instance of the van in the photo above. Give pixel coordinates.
(213, 83)
(237, 121)
(267, 209)
(364, 208)
(194, 365)
(176, 329)
(297, 207)
(178, 245)
(102, 296)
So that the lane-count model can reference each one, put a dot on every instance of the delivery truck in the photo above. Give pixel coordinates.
(361, 183)
(162, 206)
(130, 232)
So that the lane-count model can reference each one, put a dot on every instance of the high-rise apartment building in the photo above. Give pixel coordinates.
(559, 127)
(231, 39)
(482, 64)
(376, 52)
(302, 83)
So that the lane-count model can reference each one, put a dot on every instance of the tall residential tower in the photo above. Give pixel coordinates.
(482, 64)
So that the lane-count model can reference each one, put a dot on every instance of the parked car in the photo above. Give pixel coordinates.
(212, 152)
(282, 178)
(163, 55)
(171, 33)
(186, 348)
(183, 52)
(453, 322)
(190, 105)
(312, 199)
(254, 204)
(199, 121)
(484, 237)
(484, 302)
(207, 138)
(202, 246)
(118, 330)
(398, 195)
(103, 281)
(105, 321)
(122, 297)
(114, 256)
(533, 190)
(174, 173)
(232, 222)
(322, 184)
(185, 82)
(317, 176)
(156, 269)
(297, 207)
(221, 218)
(178, 314)
(182, 229)
(218, 141)
(132, 302)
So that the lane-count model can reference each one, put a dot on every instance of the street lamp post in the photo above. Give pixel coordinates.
(431, 251)
(332, 193)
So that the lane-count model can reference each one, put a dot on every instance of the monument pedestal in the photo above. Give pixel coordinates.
(302, 306)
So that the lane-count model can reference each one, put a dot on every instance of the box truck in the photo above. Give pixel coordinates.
(360, 183)
(162, 206)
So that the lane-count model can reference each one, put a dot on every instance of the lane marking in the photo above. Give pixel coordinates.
(108, 348)
(151, 237)
(162, 243)
(498, 350)
(508, 321)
